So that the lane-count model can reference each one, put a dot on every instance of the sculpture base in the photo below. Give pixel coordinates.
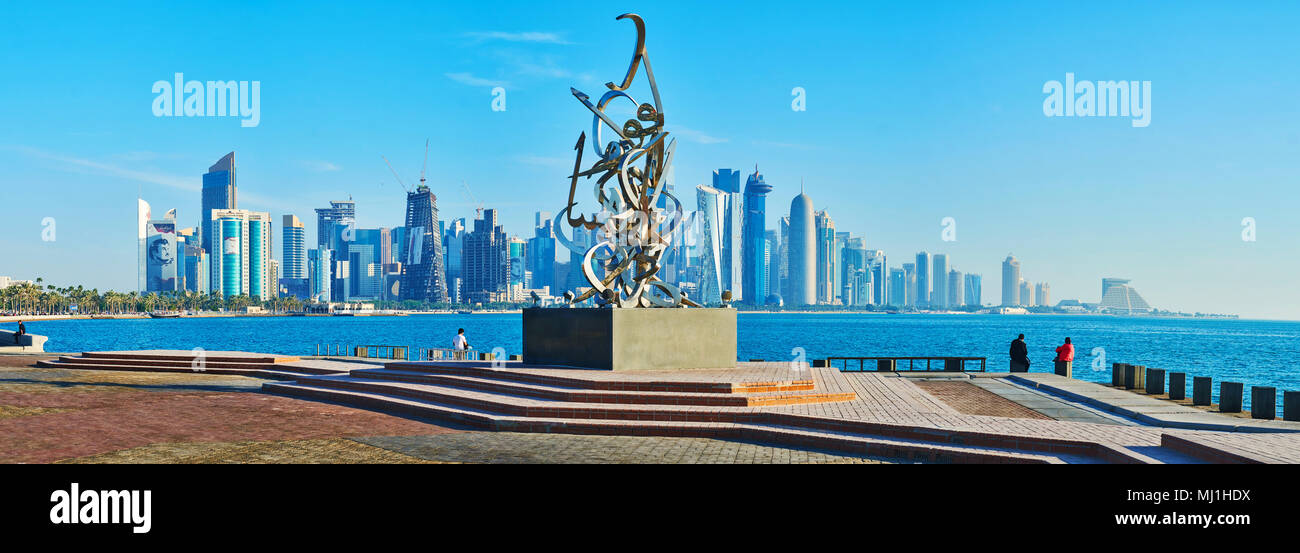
(631, 339)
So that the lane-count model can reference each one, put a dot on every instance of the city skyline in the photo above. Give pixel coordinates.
(1143, 203)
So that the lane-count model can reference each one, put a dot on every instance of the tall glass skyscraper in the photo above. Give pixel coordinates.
(485, 265)
(955, 286)
(802, 252)
(923, 279)
(320, 264)
(219, 192)
(731, 228)
(773, 266)
(241, 265)
(973, 289)
(754, 264)
(423, 276)
(541, 253)
(897, 288)
(939, 299)
(711, 204)
(293, 242)
(826, 257)
(1010, 282)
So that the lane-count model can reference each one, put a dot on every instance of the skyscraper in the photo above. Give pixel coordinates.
(219, 192)
(1010, 282)
(1042, 294)
(293, 241)
(909, 283)
(973, 290)
(881, 282)
(162, 259)
(711, 204)
(956, 283)
(731, 204)
(320, 274)
(143, 213)
(1026, 293)
(897, 288)
(241, 265)
(485, 268)
(754, 265)
(825, 274)
(518, 265)
(423, 277)
(939, 299)
(773, 266)
(783, 262)
(453, 248)
(541, 254)
(332, 221)
(802, 252)
(923, 279)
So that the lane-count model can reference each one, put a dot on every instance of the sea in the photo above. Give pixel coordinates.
(1254, 352)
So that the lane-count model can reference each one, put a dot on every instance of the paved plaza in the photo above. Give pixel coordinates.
(337, 410)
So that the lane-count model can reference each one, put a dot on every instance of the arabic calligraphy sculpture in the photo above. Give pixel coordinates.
(631, 180)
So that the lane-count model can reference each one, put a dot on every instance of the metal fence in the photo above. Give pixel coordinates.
(886, 364)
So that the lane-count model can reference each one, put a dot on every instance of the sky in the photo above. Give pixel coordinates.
(914, 113)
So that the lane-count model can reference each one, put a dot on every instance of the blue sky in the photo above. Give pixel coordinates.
(915, 112)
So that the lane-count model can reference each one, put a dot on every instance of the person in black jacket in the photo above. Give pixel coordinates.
(1019, 355)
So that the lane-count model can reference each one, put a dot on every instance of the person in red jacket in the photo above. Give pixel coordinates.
(1065, 352)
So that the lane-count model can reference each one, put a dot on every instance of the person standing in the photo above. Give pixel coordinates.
(1019, 355)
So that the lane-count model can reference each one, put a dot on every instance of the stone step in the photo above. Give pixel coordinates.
(394, 396)
(184, 363)
(511, 370)
(285, 373)
(494, 384)
(807, 438)
(181, 355)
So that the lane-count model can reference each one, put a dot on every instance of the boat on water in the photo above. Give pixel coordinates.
(156, 315)
(463, 312)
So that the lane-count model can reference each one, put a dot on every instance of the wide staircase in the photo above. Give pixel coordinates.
(276, 367)
(508, 396)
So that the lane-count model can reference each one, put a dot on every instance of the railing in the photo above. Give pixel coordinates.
(403, 353)
(448, 354)
(948, 364)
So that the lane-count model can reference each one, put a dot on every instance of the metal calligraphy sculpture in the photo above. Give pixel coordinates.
(634, 231)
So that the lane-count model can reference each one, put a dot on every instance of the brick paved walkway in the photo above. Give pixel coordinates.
(973, 400)
(517, 447)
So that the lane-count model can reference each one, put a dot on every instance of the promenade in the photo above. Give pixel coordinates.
(245, 407)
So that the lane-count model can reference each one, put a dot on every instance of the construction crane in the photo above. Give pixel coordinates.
(399, 179)
(478, 210)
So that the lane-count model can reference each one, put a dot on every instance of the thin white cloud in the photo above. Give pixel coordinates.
(471, 80)
(695, 136)
(81, 165)
(526, 36)
(319, 166)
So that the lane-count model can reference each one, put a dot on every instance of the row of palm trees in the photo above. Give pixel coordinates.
(39, 299)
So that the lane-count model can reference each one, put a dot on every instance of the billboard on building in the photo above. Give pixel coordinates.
(160, 256)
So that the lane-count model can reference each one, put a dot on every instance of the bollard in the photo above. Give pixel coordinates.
(1263, 402)
(1155, 381)
(951, 364)
(821, 363)
(1177, 386)
(1064, 368)
(1130, 376)
(886, 365)
(1230, 397)
(1201, 390)
(516, 357)
(1291, 406)
(1117, 374)
(1141, 377)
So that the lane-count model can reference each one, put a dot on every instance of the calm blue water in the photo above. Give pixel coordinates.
(1254, 352)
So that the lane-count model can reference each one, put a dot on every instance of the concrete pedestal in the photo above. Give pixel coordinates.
(1117, 374)
(1155, 381)
(1177, 386)
(1263, 402)
(1019, 367)
(630, 339)
(1230, 397)
(1064, 368)
(1200, 390)
(1291, 406)
(886, 365)
(1130, 376)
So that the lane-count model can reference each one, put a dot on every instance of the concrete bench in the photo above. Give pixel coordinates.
(27, 343)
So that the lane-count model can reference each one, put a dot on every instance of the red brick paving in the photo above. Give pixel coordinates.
(102, 422)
